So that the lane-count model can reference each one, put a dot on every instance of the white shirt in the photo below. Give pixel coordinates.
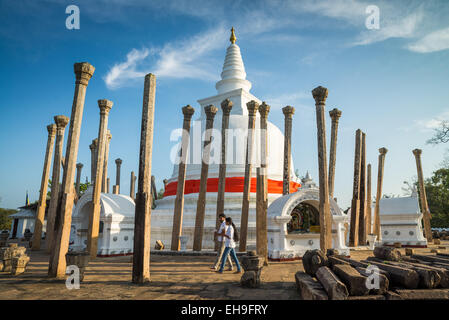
(229, 242)
(220, 230)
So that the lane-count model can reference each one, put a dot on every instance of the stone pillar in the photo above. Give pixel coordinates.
(61, 123)
(252, 106)
(320, 96)
(108, 183)
(368, 200)
(142, 220)
(188, 112)
(40, 216)
(165, 181)
(118, 163)
(93, 156)
(153, 188)
(362, 211)
(262, 176)
(423, 197)
(105, 165)
(335, 115)
(79, 167)
(380, 177)
(94, 219)
(210, 111)
(288, 115)
(57, 266)
(226, 107)
(132, 184)
(355, 204)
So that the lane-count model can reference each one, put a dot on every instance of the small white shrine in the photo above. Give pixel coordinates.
(116, 232)
(401, 221)
(294, 226)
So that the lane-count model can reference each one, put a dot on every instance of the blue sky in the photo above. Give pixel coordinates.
(392, 82)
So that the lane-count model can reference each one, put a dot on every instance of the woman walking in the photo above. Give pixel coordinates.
(231, 236)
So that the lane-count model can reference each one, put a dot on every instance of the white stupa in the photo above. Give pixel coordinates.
(233, 86)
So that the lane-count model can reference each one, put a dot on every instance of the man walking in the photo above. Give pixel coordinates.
(221, 241)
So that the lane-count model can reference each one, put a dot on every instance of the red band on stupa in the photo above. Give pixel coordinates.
(233, 184)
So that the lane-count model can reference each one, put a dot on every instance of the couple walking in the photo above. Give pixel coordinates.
(227, 236)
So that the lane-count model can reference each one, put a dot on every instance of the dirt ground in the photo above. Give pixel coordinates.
(172, 277)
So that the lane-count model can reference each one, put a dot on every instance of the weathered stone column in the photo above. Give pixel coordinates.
(105, 165)
(262, 204)
(142, 220)
(335, 115)
(201, 204)
(380, 177)
(79, 167)
(40, 216)
(188, 112)
(93, 156)
(368, 200)
(288, 115)
(132, 186)
(94, 219)
(423, 197)
(165, 181)
(61, 123)
(362, 211)
(153, 188)
(320, 96)
(57, 266)
(355, 204)
(118, 163)
(108, 183)
(226, 107)
(252, 106)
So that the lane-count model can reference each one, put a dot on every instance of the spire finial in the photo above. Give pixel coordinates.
(232, 38)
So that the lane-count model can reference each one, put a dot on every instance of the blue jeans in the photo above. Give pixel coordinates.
(227, 251)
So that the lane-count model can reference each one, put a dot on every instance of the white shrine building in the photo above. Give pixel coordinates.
(116, 232)
(401, 221)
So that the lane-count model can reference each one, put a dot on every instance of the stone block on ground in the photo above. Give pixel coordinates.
(312, 260)
(18, 264)
(387, 253)
(436, 241)
(336, 290)
(309, 288)
(409, 251)
(252, 264)
(354, 281)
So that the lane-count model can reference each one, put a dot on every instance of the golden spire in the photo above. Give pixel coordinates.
(232, 38)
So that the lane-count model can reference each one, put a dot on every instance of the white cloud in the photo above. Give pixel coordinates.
(186, 58)
(434, 41)
(124, 71)
(434, 123)
(398, 28)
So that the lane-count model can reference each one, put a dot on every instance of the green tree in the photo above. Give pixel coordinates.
(5, 220)
(437, 191)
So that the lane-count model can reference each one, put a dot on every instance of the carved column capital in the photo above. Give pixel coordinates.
(61, 122)
(417, 152)
(188, 112)
(105, 106)
(51, 128)
(335, 114)
(79, 165)
(83, 71)
(320, 95)
(288, 111)
(226, 107)
(118, 162)
(264, 109)
(383, 151)
(252, 107)
(211, 111)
